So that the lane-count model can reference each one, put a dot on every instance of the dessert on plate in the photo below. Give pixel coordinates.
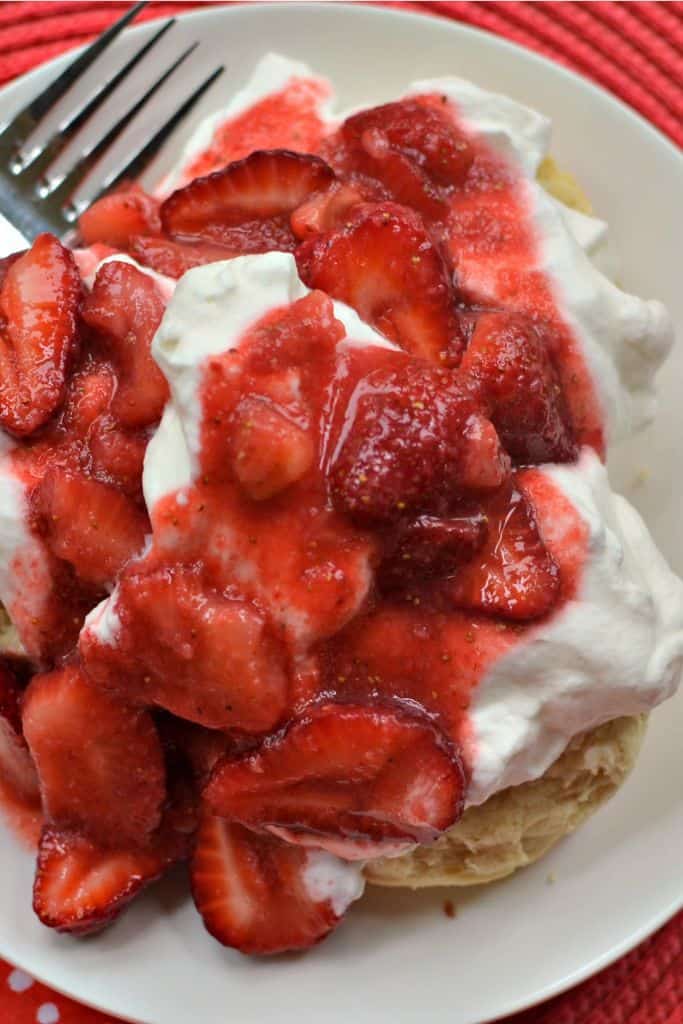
(311, 566)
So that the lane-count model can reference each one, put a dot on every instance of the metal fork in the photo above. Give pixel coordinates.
(31, 198)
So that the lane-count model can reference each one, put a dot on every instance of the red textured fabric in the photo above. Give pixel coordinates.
(636, 51)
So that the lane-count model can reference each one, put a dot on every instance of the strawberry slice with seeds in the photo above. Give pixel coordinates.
(16, 767)
(89, 524)
(246, 206)
(186, 648)
(39, 302)
(415, 444)
(126, 307)
(421, 133)
(368, 774)
(513, 575)
(431, 547)
(383, 264)
(100, 764)
(115, 218)
(509, 366)
(81, 887)
(173, 259)
(263, 896)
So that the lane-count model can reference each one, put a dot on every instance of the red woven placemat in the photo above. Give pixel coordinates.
(636, 51)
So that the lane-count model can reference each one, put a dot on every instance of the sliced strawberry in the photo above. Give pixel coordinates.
(38, 306)
(100, 764)
(415, 443)
(326, 210)
(263, 896)
(269, 450)
(173, 259)
(246, 206)
(90, 525)
(192, 651)
(416, 153)
(351, 772)
(420, 132)
(431, 547)
(513, 575)
(126, 307)
(383, 263)
(81, 887)
(511, 372)
(113, 219)
(16, 767)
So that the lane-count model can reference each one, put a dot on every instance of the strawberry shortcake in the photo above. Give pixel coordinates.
(312, 564)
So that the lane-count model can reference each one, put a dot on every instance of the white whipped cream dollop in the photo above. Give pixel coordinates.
(615, 649)
(326, 877)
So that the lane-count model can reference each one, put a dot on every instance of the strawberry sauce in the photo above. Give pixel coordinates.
(288, 119)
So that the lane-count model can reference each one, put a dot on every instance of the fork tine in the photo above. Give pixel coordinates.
(137, 164)
(22, 124)
(140, 159)
(59, 195)
(30, 166)
(89, 156)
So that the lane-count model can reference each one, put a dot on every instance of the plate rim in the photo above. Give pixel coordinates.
(641, 124)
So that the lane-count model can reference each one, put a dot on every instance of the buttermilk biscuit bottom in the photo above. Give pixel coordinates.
(515, 827)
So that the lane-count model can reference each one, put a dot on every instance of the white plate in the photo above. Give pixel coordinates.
(398, 957)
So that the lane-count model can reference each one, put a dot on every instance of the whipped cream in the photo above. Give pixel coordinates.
(615, 649)
(328, 878)
(25, 577)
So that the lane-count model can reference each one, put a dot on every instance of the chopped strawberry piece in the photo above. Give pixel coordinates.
(415, 444)
(269, 451)
(350, 772)
(511, 372)
(261, 895)
(6, 262)
(89, 396)
(81, 887)
(100, 764)
(326, 210)
(383, 264)
(115, 218)
(126, 307)
(117, 456)
(16, 767)
(185, 647)
(90, 525)
(431, 547)
(173, 259)
(246, 206)
(513, 575)
(38, 306)
(413, 150)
